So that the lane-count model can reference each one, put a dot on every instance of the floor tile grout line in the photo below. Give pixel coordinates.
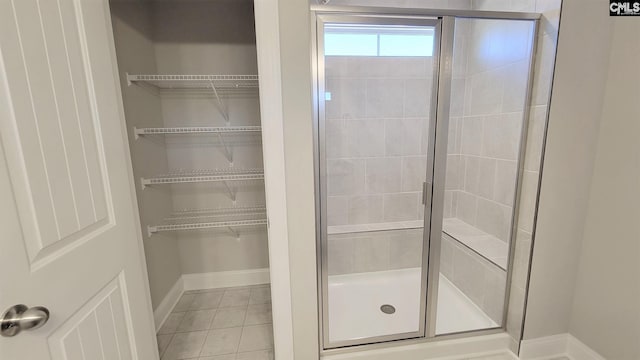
(216, 309)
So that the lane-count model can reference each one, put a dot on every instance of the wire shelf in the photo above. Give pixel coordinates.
(198, 176)
(207, 225)
(190, 214)
(196, 130)
(195, 82)
(200, 219)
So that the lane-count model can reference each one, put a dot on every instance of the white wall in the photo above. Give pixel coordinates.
(295, 62)
(605, 313)
(574, 117)
(132, 29)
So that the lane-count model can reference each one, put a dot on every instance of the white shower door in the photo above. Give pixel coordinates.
(377, 81)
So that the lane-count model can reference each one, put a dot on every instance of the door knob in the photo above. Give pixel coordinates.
(21, 317)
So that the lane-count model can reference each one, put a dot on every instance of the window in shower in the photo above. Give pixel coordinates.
(359, 40)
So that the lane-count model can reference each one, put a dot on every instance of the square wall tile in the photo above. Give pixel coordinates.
(345, 177)
(494, 294)
(340, 255)
(494, 219)
(486, 177)
(457, 96)
(467, 205)
(535, 138)
(505, 182)
(417, 97)
(446, 257)
(348, 98)
(528, 196)
(370, 253)
(521, 258)
(337, 210)
(544, 69)
(501, 136)
(365, 138)
(365, 209)
(382, 175)
(448, 204)
(403, 136)
(483, 94)
(384, 98)
(401, 207)
(454, 176)
(336, 139)
(515, 86)
(468, 274)
(405, 249)
(471, 135)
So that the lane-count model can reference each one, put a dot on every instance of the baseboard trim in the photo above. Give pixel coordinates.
(224, 279)
(167, 304)
(578, 350)
(557, 345)
(453, 349)
(202, 281)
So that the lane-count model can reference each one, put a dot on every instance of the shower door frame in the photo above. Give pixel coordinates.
(320, 168)
(438, 138)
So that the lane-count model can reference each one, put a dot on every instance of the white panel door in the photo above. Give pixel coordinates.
(69, 232)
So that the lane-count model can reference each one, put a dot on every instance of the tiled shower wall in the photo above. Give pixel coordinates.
(480, 280)
(542, 82)
(374, 251)
(490, 71)
(377, 112)
(491, 67)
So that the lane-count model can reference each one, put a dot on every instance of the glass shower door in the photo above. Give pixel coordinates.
(377, 78)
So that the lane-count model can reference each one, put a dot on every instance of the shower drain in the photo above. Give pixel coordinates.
(388, 309)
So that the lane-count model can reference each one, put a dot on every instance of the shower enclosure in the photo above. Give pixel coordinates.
(421, 131)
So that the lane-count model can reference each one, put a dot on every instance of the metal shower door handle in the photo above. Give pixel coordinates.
(21, 317)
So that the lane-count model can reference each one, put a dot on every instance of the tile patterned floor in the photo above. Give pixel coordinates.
(219, 324)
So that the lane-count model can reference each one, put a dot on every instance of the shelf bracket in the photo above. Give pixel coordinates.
(221, 107)
(151, 230)
(235, 233)
(227, 150)
(137, 132)
(232, 192)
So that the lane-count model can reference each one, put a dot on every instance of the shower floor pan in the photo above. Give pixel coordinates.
(355, 302)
